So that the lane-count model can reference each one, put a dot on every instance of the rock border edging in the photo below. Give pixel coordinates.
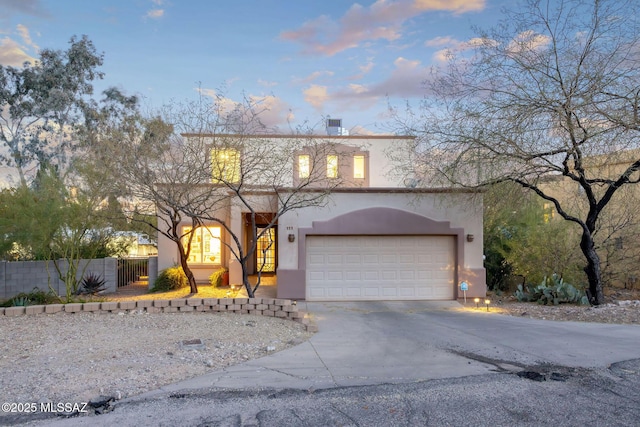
(271, 307)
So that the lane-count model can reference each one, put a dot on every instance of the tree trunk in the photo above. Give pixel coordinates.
(594, 273)
(246, 283)
(190, 277)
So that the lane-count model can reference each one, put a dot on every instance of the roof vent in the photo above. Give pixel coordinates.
(334, 128)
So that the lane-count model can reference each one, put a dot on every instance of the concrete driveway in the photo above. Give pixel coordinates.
(408, 364)
(365, 343)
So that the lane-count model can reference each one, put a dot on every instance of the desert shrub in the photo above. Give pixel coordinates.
(216, 278)
(552, 290)
(170, 279)
(92, 284)
(35, 297)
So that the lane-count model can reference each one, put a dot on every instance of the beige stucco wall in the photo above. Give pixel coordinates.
(461, 210)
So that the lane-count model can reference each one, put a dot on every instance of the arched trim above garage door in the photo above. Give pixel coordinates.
(381, 221)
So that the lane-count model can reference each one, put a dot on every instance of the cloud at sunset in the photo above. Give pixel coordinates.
(383, 20)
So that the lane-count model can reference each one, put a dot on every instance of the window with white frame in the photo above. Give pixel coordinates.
(225, 165)
(332, 166)
(206, 247)
(304, 166)
(358, 167)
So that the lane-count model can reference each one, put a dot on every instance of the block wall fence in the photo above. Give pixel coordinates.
(282, 308)
(23, 276)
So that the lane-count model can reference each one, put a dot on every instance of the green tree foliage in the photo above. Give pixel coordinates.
(42, 102)
(47, 221)
(523, 238)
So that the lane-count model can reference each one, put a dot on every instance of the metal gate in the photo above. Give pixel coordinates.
(133, 270)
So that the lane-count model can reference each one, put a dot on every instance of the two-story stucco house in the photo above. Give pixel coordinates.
(377, 237)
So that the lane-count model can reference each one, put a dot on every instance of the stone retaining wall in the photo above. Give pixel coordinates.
(282, 308)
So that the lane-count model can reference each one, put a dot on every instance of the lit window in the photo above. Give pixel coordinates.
(303, 166)
(332, 166)
(205, 245)
(358, 167)
(225, 165)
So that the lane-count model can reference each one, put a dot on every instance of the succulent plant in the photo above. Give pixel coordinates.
(92, 284)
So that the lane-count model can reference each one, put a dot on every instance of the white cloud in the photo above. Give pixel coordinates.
(528, 41)
(382, 20)
(316, 95)
(364, 70)
(313, 77)
(441, 41)
(453, 47)
(13, 54)
(273, 112)
(26, 37)
(361, 130)
(155, 14)
(266, 83)
(406, 81)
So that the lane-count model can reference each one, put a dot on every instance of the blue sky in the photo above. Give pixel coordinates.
(303, 59)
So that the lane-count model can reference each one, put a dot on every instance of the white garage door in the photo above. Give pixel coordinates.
(380, 268)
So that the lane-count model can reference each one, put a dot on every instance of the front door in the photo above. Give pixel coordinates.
(266, 251)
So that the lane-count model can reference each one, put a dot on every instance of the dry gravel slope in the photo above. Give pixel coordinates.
(78, 357)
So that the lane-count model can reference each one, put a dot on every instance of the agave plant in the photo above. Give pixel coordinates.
(92, 284)
(20, 301)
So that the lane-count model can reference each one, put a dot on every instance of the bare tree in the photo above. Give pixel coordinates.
(553, 90)
(259, 171)
(160, 178)
(199, 163)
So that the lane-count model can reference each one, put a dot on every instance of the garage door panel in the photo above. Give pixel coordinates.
(316, 276)
(380, 267)
(353, 275)
(371, 291)
(371, 275)
(353, 292)
(334, 276)
(389, 275)
(407, 292)
(353, 259)
(389, 291)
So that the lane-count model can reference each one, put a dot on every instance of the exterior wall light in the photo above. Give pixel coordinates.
(292, 238)
(470, 237)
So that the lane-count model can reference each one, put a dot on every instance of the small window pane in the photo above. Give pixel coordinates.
(303, 166)
(332, 166)
(358, 166)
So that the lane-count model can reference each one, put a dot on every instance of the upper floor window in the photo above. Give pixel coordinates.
(332, 166)
(225, 165)
(358, 167)
(205, 244)
(304, 166)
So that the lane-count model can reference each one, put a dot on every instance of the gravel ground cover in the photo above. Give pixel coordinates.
(77, 357)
